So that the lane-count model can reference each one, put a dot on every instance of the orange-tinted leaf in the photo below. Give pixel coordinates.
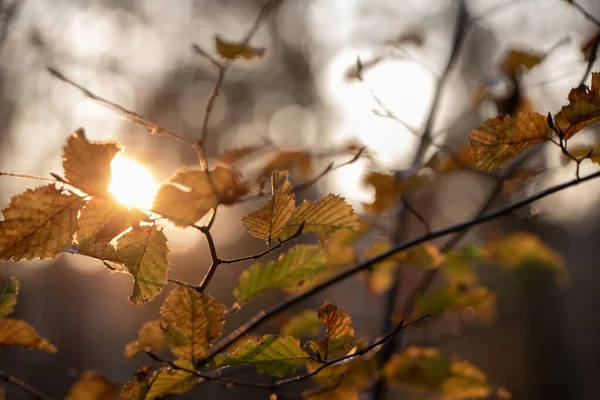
(455, 299)
(87, 164)
(498, 140)
(515, 61)
(339, 337)
(583, 108)
(189, 194)
(92, 385)
(231, 156)
(150, 336)
(14, 332)
(387, 192)
(39, 223)
(290, 160)
(233, 50)
(271, 219)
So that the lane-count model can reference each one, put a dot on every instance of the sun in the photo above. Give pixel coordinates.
(132, 184)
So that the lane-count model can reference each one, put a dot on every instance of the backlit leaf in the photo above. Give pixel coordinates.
(339, 251)
(150, 336)
(8, 298)
(194, 321)
(328, 215)
(138, 388)
(455, 299)
(498, 140)
(144, 251)
(299, 161)
(92, 385)
(272, 354)
(189, 195)
(387, 192)
(583, 108)
(306, 323)
(169, 381)
(231, 156)
(458, 270)
(270, 220)
(290, 269)
(14, 332)
(87, 164)
(38, 223)
(233, 50)
(339, 337)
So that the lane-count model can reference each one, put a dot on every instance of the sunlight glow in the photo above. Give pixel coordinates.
(132, 184)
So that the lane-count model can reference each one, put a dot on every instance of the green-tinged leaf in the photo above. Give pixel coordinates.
(14, 332)
(498, 140)
(339, 337)
(339, 251)
(326, 216)
(194, 321)
(169, 381)
(101, 220)
(424, 255)
(466, 382)
(39, 223)
(233, 50)
(306, 323)
(150, 336)
(92, 385)
(272, 354)
(144, 251)
(583, 109)
(269, 221)
(458, 270)
(526, 250)
(456, 299)
(87, 164)
(189, 194)
(138, 388)
(8, 298)
(289, 270)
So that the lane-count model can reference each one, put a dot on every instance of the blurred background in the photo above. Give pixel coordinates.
(545, 342)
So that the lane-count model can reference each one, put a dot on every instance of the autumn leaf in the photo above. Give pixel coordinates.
(290, 269)
(189, 194)
(87, 164)
(169, 381)
(517, 180)
(387, 192)
(144, 251)
(230, 157)
(150, 336)
(194, 320)
(328, 215)
(271, 219)
(498, 140)
(233, 50)
(516, 61)
(14, 332)
(306, 323)
(289, 160)
(8, 298)
(39, 223)
(339, 251)
(583, 109)
(456, 299)
(271, 354)
(138, 388)
(428, 369)
(339, 337)
(458, 270)
(462, 159)
(92, 385)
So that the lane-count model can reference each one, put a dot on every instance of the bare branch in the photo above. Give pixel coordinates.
(24, 386)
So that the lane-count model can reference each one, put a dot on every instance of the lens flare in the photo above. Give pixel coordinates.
(132, 184)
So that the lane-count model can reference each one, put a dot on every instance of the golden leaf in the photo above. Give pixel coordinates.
(185, 207)
(87, 164)
(232, 50)
(516, 61)
(92, 385)
(169, 381)
(498, 140)
(339, 337)
(288, 160)
(14, 332)
(150, 336)
(39, 223)
(306, 323)
(231, 156)
(583, 109)
(138, 388)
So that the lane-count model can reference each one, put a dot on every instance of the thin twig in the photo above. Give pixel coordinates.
(263, 316)
(416, 213)
(24, 386)
(25, 176)
(331, 167)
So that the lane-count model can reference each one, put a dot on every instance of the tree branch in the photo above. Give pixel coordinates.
(24, 386)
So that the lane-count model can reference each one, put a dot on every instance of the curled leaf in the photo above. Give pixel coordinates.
(583, 109)
(339, 337)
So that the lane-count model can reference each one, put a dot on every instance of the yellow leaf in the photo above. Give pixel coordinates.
(306, 323)
(338, 248)
(14, 332)
(516, 61)
(194, 321)
(138, 388)
(231, 156)
(272, 354)
(144, 251)
(498, 140)
(8, 298)
(87, 164)
(169, 381)
(290, 269)
(455, 299)
(270, 220)
(339, 337)
(232, 50)
(583, 109)
(189, 195)
(326, 216)
(380, 277)
(387, 192)
(150, 336)
(92, 385)
(288, 160)
(38, 223)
